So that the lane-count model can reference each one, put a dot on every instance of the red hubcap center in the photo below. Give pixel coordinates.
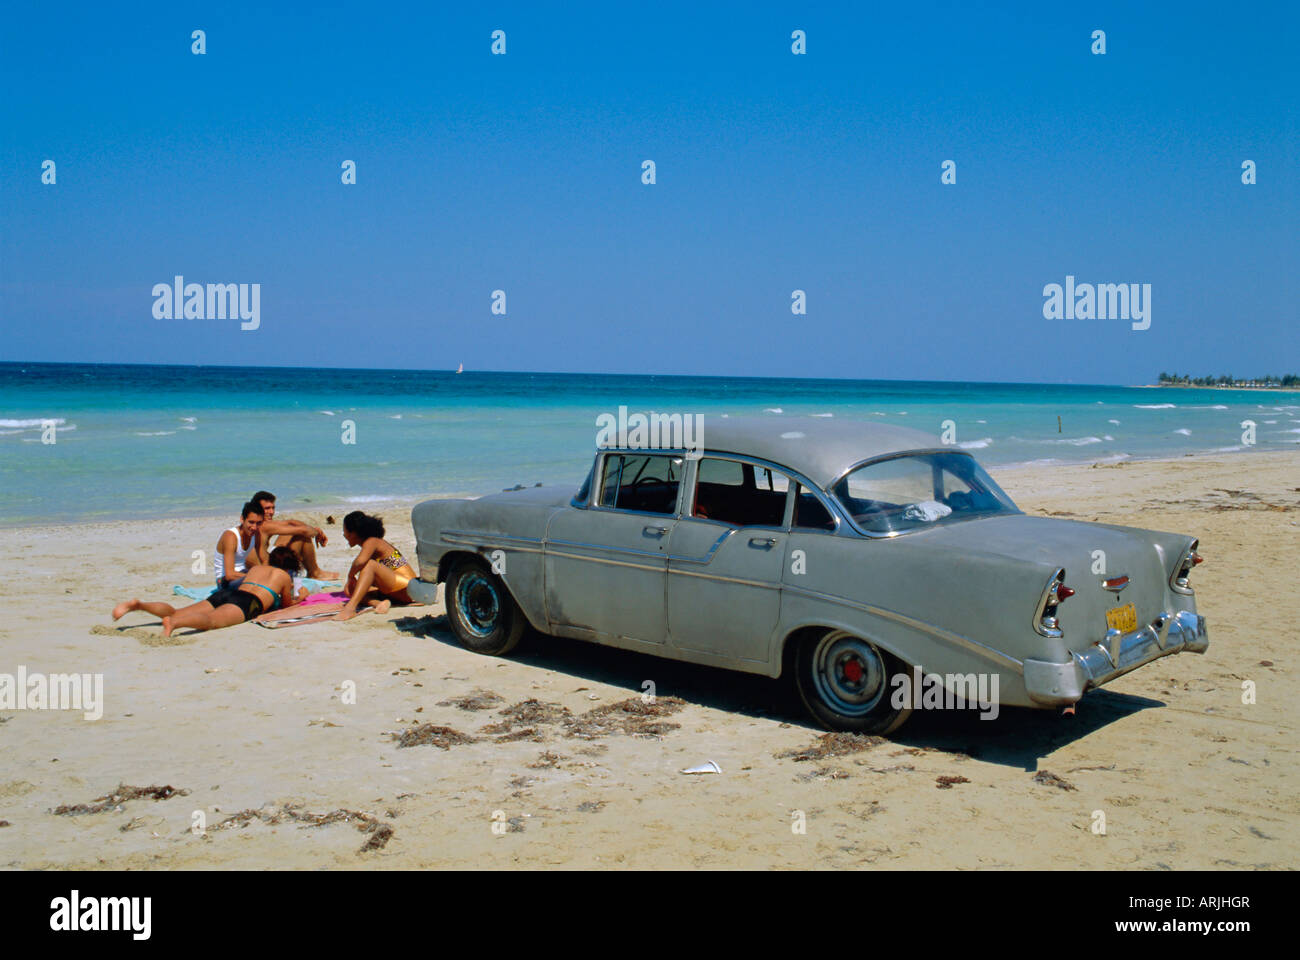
(853, 671)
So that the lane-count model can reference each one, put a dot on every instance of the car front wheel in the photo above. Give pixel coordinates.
(482, 614)
(847, 683)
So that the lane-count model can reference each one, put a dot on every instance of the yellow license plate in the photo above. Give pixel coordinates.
(1124, 619)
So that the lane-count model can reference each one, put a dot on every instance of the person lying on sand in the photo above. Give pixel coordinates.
(380, 573)
(301, 538)
(264, 587)
(236, 546)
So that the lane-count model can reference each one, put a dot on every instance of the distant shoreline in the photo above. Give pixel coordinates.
(1227, 386)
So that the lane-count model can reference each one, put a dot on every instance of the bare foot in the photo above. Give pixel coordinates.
(382, 606)
(167, 626)
(125, 607)
(325, 575)
(345, 615)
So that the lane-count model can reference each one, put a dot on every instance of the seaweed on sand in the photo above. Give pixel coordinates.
(634, 716)
(833, 745)
(431, 734)
(380, 832)
(114, 800)
(476, 700)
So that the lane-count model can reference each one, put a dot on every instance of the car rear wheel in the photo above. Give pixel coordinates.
(847, 683)
(482, 614)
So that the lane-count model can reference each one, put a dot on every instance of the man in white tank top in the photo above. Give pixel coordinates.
(238, 546)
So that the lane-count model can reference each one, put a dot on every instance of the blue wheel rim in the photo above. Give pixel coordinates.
(478, 603)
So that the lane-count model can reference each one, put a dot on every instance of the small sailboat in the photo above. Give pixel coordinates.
(461, 368)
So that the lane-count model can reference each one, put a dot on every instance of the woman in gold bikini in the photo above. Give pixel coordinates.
(380, 573)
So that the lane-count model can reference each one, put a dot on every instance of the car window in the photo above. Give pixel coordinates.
(739, 493)
(918, 490)
(809, 512)
(646, 482)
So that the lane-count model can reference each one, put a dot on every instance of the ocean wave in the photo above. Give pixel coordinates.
(975, 444)
(1155, 406)
(1108, 438)
(328, 413)
(27, 424)
(366, 498)
(190, 419)
(823, 414)
(773, 410)
(1076, 441)
(154, 433)
(1116, 422)
(1184, 431)
(1268, 422)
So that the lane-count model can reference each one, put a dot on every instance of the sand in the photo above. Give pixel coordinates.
(254, 725)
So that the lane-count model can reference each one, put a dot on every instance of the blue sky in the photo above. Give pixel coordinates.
(775, 172)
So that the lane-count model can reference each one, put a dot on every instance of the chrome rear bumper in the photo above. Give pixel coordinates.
(1057, 684)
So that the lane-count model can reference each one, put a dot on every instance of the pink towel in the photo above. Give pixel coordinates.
(336, 596)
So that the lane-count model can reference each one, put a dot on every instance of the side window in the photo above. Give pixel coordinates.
(809, 512)
(641, 482)
(740, 493)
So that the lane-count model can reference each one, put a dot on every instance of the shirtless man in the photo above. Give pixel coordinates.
(239, 547)
(301, 538)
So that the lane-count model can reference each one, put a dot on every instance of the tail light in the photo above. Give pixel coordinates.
(1190, 559)
(1056, 592)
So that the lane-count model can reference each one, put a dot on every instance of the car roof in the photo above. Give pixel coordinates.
(821, 448)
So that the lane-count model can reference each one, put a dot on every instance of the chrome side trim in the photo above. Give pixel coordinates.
(653, 568)
(719, 578)
(974, 646)
(682, 558)
(467, 538)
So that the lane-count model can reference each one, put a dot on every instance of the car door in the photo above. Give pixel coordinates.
(606, 561)
(725, 560)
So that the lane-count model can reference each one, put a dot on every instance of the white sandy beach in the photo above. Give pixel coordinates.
(252, 719)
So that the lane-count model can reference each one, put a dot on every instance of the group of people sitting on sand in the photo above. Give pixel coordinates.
(253, 577)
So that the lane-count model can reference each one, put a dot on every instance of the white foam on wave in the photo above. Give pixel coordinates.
(1229, 449)
(1116, 422)
(1184, 431)
(975, 444)
(792, 435)
(28, 424)
(1076, 441)
(328, 413)
(190, 419)
(981, 421)
(366, 498)
(1269, 422)
(396, 416)
(1155, 406)
(823, 414)
(773, 410)
(1108, 438)
(154, 433)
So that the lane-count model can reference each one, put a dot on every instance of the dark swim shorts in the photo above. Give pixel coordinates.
(245, 600)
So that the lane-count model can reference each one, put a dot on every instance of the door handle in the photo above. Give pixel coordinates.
(654, 531)
(765, 542)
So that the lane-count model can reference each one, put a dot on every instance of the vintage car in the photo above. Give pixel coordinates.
(846, 554)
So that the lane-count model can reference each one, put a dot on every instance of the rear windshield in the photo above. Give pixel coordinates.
(920, 490)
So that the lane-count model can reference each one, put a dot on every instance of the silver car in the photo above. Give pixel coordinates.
(855, 557)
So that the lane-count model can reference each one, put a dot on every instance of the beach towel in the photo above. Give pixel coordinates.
(295, 615)
(202, 593)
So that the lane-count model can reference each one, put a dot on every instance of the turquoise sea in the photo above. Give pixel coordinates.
(139, 441)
